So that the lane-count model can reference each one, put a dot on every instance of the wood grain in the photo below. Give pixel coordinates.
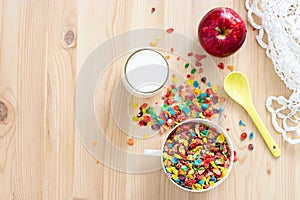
(42, 47)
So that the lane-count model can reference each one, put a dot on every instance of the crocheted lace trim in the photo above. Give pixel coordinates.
(279, 34)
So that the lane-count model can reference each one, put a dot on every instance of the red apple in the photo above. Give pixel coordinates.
(221, 32)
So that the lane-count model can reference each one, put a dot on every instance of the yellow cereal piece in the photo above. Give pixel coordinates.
(213, 164)
(211, 183)
(197, 186)
(190, 176)
(190, 157)
(145, 134)
(221, 138)
(175, 79)
(174, 177)
(166, 156)
(193, 114)
(207, 181)
(191, 171)
(197, 148)
(190, 82)
(224, 172)
(177, 156)
(201, 115)
(215, 89)
(168, 169)
(135, 105)
(185, 143)
(175, 171)
(197, 91)
(204, 140)
(153, 43)
(135, 118)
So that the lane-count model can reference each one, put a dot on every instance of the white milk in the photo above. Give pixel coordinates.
(146, 71)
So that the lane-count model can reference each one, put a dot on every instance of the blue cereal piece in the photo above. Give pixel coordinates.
(201, 182)
(202, 96)
(186, 110)
(241, 123)
(176, 98)
(171, 111)
(251, 135)
(204, 106)
(174, 160)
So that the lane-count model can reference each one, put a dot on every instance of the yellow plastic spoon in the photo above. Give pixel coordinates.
(237, 87)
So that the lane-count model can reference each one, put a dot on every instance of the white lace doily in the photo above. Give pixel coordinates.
(280, 22)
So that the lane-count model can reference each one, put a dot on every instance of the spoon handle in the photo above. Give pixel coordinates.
(274, 148)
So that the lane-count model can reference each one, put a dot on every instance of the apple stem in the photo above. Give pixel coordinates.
(220, 31)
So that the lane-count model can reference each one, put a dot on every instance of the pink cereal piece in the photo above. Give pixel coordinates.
(190, 54)
(198, 64)
(170, 30)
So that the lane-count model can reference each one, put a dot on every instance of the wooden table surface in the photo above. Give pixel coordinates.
(44, 43)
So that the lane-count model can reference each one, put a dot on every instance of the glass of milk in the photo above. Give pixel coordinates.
(145, 73)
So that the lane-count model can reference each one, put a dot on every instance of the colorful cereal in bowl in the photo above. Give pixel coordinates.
(197, 155)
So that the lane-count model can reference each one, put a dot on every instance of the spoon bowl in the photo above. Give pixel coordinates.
(237, 87)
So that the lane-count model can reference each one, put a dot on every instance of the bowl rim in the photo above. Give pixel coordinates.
(220, 130)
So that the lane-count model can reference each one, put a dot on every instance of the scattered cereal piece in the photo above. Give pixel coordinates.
(221, 65)
(152, 10)
(251, 135)
(153, 43)
(215, 89)
(200, 70)
(198, 64)
(190, 54)
(145, 136)
(94, 143)
(227, 129)
(135, 118)
(97, 161)
(130, 141)
(243, 136)
(170, 30)
(172, 50)
(167, 57)
(135, 105)
(235, 158)
(186, 65)
(230, 67)
(175, 79)
(241, 123)
(250, 147)
(193, 71)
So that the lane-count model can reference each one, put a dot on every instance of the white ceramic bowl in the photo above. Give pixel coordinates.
(219, 130)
